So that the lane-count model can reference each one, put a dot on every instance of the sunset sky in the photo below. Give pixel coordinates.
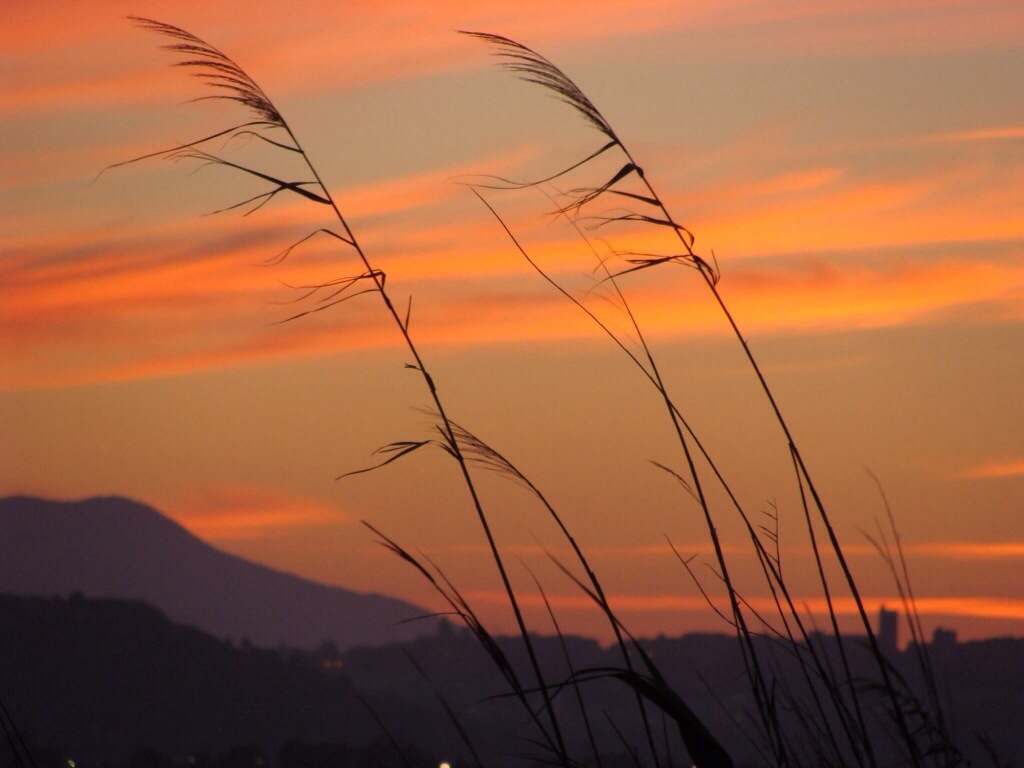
(856, 168)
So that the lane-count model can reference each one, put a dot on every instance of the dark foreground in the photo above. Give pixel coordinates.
(89, 683)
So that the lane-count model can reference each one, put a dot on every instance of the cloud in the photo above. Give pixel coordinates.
(950, 550)
(961, 200)
(982, 550)
(994, 469)
(914, 551)
(601, 551)
(83, 309)
(1004, 133)
(803, 247)
(974, 606)
(335, 46)
(234, 512)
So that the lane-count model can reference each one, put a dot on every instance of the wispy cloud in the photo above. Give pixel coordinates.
(950, 550)
(85, 306)
(1003, 133)
(941, 550)
(982, 550)
(868, 210)
(383, 41)
(234, 512)
(973, 606)
(994, 469)
(149, 304)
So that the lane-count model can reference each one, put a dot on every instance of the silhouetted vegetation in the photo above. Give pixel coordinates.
(111, 683)
(99, 679)
(805, 702)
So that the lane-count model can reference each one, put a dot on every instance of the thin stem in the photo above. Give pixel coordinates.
(233, 84)
(449, 434)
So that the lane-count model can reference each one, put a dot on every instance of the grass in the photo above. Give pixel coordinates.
(814, 703)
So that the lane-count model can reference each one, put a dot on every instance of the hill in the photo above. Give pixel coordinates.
(100, 681)
(115, 547)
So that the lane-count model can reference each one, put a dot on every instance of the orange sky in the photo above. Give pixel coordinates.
(856, 168)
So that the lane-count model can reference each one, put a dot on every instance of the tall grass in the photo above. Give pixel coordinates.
(812, 705)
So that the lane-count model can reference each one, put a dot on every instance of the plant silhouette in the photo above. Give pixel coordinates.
(825, 715)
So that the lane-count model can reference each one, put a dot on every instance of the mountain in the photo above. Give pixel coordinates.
(115, 547)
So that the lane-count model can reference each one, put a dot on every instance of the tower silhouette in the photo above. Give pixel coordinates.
(888, 631)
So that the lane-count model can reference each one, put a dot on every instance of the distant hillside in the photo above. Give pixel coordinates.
(96, 681)
(114, 547)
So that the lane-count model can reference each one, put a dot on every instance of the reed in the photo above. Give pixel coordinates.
(648, 209)
(228, 81)
(824, 714)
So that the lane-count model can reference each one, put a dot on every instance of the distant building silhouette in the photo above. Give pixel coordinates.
(888, 631)
(943, 639)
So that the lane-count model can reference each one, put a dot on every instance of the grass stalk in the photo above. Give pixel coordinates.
(833, 726)
(220, 72)
(534, 68)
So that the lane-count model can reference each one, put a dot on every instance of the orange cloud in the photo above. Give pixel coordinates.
(969, 549)
(153, 306)
(943, 550)
(824, 295)
(373, 42)
(976, 607)
(860, 213)
(176, 297)
(1004, 133)
(235, 512)
(995, 469)
(947, 550)
(603, 551)
(328, 46)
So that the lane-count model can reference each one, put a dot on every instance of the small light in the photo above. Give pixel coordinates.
(71, 763)
(445, 765)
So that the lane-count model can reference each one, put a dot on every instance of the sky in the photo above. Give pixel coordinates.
(855, 170)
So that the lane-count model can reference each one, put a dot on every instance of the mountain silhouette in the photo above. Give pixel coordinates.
(115, 547)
